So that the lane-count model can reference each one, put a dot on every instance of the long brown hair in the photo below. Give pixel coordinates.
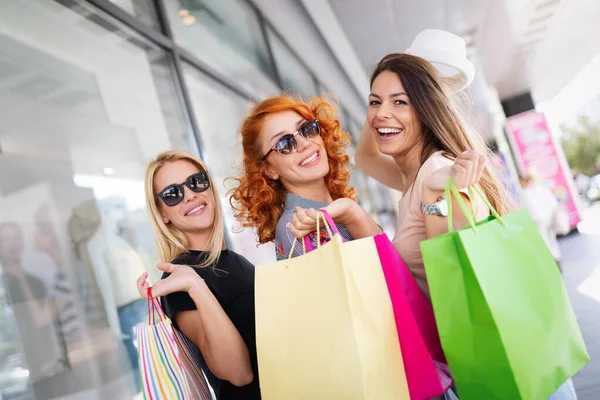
(171, 241)
(443, 127)
(258, 201)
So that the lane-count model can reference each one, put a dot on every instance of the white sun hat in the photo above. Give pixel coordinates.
(447, 52)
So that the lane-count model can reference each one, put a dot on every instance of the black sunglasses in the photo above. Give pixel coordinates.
(173, 194)
(288, 144)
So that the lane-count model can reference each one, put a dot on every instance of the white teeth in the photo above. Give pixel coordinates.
(388, 130)
(196, 209)
(309, 159)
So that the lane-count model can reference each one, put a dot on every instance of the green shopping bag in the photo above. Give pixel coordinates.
(502, 311)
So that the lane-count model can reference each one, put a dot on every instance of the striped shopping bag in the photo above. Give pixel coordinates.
(167, 367)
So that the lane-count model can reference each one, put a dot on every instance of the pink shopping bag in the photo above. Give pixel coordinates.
(424, 362)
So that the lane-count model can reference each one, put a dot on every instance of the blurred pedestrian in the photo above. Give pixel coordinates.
(543, 207)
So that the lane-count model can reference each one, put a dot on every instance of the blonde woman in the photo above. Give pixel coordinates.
(206, 290)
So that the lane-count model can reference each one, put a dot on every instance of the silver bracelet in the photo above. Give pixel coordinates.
(195, 284)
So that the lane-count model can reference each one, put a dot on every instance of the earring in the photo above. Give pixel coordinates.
(275, 177)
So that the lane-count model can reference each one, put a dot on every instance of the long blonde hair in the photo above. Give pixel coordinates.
(443, 126)
(171, 241)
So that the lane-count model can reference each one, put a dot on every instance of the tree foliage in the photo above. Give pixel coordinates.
(581, 144)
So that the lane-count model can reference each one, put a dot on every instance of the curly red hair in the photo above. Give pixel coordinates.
(258, 201)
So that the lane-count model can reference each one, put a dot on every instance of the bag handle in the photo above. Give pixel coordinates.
(154, 306)
(294, 246)
(331, 227)
(307, 246)
(452, 191)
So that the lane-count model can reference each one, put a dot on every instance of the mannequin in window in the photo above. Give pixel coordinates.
(116, 266)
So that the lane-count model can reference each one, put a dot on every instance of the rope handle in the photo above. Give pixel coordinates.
(154, 306)
(307, 246)
(296, 240)
(329, 225)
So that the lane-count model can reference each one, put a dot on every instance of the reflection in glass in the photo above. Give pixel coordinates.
(323, 89)
(83, 109)
(219, 114)
(354, 128)
(32, 307)
(294, 77)
(226, 35)
(143, 10)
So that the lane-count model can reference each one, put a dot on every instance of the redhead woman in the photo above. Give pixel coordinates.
(295, 163)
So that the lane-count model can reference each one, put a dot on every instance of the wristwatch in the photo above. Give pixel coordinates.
(439, 208)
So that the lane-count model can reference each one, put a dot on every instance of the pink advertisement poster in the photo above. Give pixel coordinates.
(537, 153)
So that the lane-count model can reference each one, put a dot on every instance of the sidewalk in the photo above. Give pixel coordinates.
(581, 265)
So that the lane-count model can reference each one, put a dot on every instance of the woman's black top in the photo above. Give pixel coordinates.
(231, 280)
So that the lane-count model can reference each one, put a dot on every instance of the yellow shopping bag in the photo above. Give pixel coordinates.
(325, 327)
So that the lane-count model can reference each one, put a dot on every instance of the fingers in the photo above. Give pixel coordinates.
(166, 267)
(312, 214)
(300, 233)
(158, 289)
(306, 216)
(482, 161)
(303, 222)
(143, 285)
(468, 168)
(297, 217)
(304, 219)
(463, 173)
(437, 181)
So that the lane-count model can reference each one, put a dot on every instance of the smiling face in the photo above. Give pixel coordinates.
(395, 124)
(196, 212)
(305, 165)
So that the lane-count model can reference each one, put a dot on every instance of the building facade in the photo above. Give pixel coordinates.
(90, 91)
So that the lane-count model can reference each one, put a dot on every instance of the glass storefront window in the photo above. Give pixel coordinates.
(85, 104)
(294, 77)
(226, 35)
(143, 10)
(358, 181)
(354, 128)
(219, 113)
(323, 89)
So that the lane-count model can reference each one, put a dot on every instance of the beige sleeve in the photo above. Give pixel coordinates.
(433, 163)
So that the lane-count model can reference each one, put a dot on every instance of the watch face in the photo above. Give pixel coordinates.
(443, 207)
